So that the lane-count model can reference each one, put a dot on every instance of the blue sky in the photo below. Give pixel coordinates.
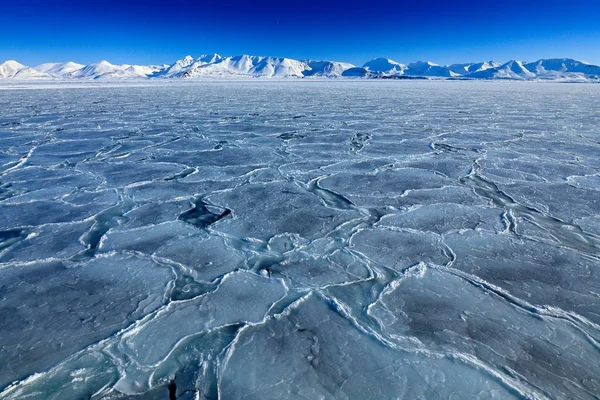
(153, 32)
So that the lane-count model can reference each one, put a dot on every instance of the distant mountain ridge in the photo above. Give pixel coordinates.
(245, 66)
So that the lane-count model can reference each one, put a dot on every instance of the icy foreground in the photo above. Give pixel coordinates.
(300, 240)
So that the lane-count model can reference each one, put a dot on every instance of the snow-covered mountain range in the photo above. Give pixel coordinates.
(245, 66)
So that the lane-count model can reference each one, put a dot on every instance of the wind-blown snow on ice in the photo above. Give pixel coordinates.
(301, 240)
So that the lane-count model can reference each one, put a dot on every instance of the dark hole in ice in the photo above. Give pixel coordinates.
(172, 390)
(200, 216)
(446, 147)
(5, 193)
(359, 140)
(290, 135)
(452, 149)
(219, 145)
(9, 237)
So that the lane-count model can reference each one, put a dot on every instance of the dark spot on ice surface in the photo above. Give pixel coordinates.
(10, 123)
(5, 193)
(451, 149)
(359, 140)
(290, 135)
(172, 390)
(181, 175)
(304, 116)
(200, 216)
(4, 235)
(10, 237)
(286, 136)
(219, 145)
(446, 147)
(67, 164)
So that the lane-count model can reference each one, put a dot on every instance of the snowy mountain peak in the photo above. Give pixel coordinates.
(384, 65)
(323, 68)
(466, 68)
(248, 66)
(515, 69)
(554, 66)
(209, 58)
(101, 67)
(422, 64)
(146, 71)
(12, 64)
(427, 68)
(59, 68)
(244, 66)
(179, 65)
(12, 69)
(104, 70)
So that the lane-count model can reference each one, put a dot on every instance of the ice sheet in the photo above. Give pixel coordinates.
(301, 240)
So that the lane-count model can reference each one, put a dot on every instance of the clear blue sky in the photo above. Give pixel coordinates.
(150, 31)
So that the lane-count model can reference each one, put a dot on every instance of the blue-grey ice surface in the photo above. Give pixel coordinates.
(300, 240)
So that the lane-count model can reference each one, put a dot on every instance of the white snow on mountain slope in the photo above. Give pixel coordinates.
(427, 68)
(60, 69)
(105, 70)
(548, 69)
(385, 65)
(146, 70)
(246, 66)
(357, 72)
(208, 59)
(328, 69)
(10, 68)
(254, 66)
(562, 65)
(14, 70)
(513, 69)
(179, 66)
(462, 69)
(188, 63)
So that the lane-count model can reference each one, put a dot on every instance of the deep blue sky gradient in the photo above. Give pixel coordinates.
(156, 32)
